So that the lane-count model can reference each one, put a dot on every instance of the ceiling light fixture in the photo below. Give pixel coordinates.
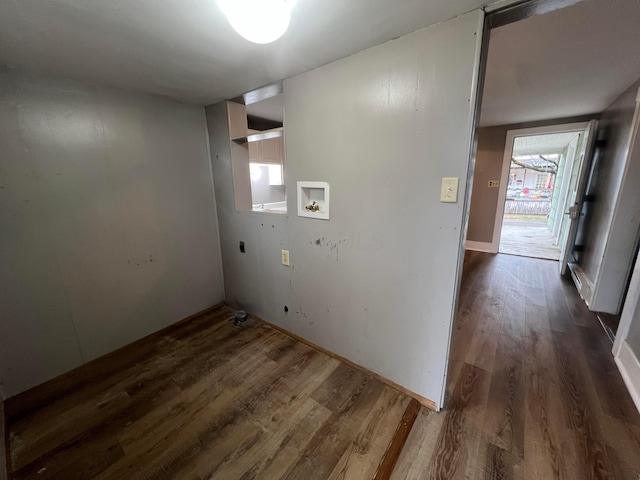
(259, 21)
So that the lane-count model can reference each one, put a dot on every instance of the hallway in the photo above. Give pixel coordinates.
(533, 389)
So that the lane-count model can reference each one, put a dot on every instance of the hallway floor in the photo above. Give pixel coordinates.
(528, 238)
(533, 389)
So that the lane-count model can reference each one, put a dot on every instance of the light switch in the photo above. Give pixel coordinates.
(285, 257)
(449, 191)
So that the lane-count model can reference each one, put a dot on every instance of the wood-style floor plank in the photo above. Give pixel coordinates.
(414, 462)
(207, 400)
(459, 439)
(371, 437)
(552, 403)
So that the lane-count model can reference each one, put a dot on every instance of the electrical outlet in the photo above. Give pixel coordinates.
(494, 183)
(285, 257)
(449, 190)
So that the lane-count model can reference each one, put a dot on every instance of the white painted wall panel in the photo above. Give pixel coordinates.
(626, 347)
(108, 223)
(376, 283)
(383, 127)
(611, 224)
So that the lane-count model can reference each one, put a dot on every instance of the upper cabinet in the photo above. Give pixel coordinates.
(270, 151)
(237, 120)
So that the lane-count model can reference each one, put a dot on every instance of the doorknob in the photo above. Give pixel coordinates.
(574, 213)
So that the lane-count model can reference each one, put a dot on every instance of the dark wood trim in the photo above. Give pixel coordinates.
(390, 458)
(259, 123)
(430, 404)
(46, 392)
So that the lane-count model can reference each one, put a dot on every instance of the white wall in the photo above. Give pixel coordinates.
(627, 345)
(611, 222)
(108, 230)
(376, 283)
(262, 192)
(634, 336)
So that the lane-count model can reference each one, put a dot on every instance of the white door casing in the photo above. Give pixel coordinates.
(625, 356)
(506, 165)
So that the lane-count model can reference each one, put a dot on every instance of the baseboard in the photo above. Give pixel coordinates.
(582, 283)
(59, 386)
(479, 246)
(629, 367)
(430, 404)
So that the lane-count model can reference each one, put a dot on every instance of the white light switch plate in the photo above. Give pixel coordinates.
(285, 257)
(449, 191)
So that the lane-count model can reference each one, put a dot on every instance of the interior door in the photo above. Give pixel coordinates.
(576, 194)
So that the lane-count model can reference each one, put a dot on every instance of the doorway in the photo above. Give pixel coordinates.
(540, 169)
(511, 304)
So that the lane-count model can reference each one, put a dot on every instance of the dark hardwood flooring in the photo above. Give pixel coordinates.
(533, 389)
(211, 400)
(533, 393)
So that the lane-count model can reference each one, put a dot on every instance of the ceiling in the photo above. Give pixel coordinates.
(569, 62)
(543, 144)
(186, 50)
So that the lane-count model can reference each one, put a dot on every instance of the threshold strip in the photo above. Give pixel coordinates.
(390, 458)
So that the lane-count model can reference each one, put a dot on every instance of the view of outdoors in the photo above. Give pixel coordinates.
(532, 223)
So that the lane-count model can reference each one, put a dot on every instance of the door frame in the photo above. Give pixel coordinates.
(626, 360)
(506, 166)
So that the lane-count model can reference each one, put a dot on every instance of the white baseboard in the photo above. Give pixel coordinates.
(478, 246)
(582, 283)
(629, 367)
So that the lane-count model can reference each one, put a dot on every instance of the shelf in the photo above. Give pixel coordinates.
(263, 135)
